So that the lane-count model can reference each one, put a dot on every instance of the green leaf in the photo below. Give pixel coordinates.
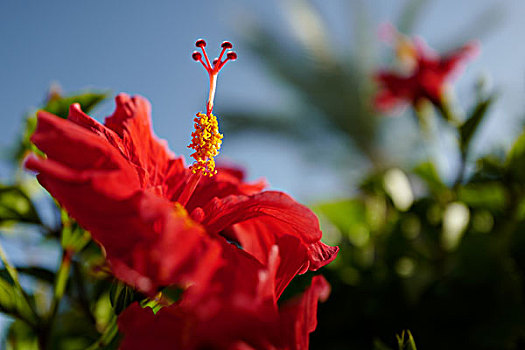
(109, 339)
(173, 293)
(153, 304)
(73, 330)
(515, 163)
(489, 168)
(487, 195)
(471, 124)
(428, 173)
(37, 272)
(20, 336)
(343, 214)
(379, 345)
(121, 296)
(13, 303)
(406, 341)
(16, 206)
(74, 237)
(57, 105)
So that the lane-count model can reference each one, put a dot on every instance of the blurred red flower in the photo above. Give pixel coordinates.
(158, 223)
(427, 74)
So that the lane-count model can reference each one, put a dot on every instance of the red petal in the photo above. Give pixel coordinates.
(257, 237)
(141, 232)
(321, 254)
(131, 120)
(227, 181)
(232, 309)
(452, 62)
(267, 219)
(293, 218)
(74, 146)
(299, 315)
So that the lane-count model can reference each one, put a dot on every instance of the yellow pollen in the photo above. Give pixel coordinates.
(206, 142)
(406, 52)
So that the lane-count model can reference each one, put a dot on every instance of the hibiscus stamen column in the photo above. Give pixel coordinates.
(206, 139)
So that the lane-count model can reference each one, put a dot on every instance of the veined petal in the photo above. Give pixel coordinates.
(257, 236)
(293, 217)
(266, 219)
(132, 122)
(74, 146)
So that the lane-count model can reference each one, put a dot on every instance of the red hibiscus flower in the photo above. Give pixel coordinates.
(236, 311)
(427, 74)
(159, 222)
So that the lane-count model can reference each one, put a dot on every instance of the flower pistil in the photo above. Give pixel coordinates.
(206, 139)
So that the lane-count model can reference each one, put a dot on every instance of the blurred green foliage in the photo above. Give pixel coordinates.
(450, 266)
(444, 258)
(69, 308)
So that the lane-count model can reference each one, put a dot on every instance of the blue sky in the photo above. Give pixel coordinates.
(144, 47)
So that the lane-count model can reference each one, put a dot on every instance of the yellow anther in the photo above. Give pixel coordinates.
(406, 52)
(206, 142)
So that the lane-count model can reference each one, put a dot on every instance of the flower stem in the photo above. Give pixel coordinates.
(61, 281)
(59, 290)
(83, 299)
(107, 337)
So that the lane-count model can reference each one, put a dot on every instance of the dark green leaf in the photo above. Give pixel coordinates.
(428, 173)
(406, 341)
(59, 105)
(74, 237)
(121, 296)
(38, 272)
(16, 206)
(379, 345)
(469, 127)
(109, 340)
(516, 159)
(489, 168)
(13, 303)
(173, 293)
(296, 287)
(487, 195)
